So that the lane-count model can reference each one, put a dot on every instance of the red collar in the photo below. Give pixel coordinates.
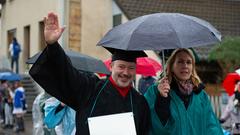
(123, 91)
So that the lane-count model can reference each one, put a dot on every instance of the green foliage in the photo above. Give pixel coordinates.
(229, 49)
(227, 53)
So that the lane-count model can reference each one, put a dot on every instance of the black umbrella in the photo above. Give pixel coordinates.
(161, 31)
(80, 61)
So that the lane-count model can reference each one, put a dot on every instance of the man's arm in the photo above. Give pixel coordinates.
(54, 72)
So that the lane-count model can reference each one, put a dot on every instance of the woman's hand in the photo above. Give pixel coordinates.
(164, 87)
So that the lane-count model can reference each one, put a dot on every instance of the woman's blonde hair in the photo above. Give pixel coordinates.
(169, 73)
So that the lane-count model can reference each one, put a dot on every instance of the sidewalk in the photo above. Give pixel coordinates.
(28, 128)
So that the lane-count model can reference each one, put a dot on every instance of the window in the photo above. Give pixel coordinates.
(42, 43)
(117, 19)
(117, 14)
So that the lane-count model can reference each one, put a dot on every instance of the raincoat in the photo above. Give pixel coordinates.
(37, 117)
(65, 117)
(39, 128)
(197, 119)
(232, 112)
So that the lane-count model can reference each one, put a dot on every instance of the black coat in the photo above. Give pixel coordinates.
(55, 74)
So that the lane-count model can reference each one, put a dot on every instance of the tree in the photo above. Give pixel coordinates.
(227, 53)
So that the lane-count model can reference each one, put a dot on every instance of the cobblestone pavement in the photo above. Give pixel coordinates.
(28, 128)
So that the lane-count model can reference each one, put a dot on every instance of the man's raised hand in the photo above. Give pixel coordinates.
(52, 30)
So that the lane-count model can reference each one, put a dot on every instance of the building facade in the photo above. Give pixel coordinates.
(86, 22)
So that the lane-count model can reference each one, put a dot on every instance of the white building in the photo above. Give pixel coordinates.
(86, 22)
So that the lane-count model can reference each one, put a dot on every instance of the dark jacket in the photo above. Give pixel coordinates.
(53, 71)
(145, 83)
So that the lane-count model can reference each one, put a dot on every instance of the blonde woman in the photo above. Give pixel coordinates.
(178, 104)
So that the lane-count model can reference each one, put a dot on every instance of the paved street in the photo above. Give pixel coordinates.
(28, 128)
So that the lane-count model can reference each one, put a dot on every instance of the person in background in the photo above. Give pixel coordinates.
(19, 105)
(232, 111)
(1, 109)
(15, 49)
(84, 93)
(178, 103)
(60, 117)
(8, 106)
(144, 83)
(37, 116)
(39, 128)
(3, 85)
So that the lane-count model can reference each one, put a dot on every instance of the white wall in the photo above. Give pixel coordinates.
(20, 13)
(96, 21)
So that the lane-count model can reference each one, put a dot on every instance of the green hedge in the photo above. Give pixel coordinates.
(227, 52)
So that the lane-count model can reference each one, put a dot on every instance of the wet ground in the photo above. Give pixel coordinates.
(28, 128)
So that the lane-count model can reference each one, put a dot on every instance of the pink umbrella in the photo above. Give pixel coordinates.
(145, 66)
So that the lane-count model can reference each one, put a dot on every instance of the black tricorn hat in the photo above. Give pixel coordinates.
(126, 55)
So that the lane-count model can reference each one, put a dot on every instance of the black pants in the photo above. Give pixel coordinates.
(14, 60)
(20, 124)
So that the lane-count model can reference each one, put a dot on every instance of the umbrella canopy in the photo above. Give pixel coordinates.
(80, 61)
(230, 81)
(10, 76)
(145, 66)
(161, 31)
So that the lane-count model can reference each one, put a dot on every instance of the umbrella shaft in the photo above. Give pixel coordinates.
(163, 63)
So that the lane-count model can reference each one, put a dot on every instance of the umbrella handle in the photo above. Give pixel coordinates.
(163, 63)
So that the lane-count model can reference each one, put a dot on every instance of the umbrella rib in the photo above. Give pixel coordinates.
(207, 27)
(175, 32)
(144, 17)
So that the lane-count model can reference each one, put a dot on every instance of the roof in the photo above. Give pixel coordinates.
(223, 14)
